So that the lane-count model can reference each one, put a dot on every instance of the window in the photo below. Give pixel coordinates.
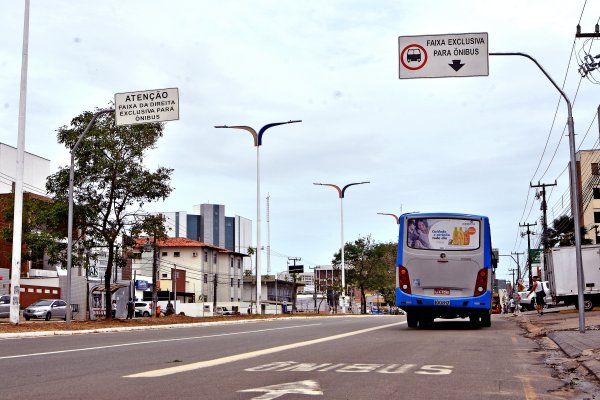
(231, 284)
(231, 261)
(595, 168)
(205, 278)
(215, 257)
(176, 254)
(164, 276)
(597, 217)
(164, 254)
(596, 193)
(239, 281)
(239, 263)
(205, 256)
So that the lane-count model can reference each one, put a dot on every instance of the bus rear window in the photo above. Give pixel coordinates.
(443, 234)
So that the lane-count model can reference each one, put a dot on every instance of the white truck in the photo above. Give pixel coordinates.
(561, 272)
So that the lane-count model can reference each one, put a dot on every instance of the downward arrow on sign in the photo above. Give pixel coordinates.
(456, 65)
(308, 387)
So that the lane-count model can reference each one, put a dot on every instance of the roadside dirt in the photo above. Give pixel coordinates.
(38, 326)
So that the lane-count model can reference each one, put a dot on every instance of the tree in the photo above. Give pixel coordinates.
(111, 183)
(371, 267)
(562, 232)
(44, 228)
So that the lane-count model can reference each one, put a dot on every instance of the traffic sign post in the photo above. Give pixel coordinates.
(441, 56)
(147, 106)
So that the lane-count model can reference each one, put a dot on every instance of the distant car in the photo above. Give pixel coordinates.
(46, 309)
(4, 306)
(143, 309)
(225, 311)
(527, 299)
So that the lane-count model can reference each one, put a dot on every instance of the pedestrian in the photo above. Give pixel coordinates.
(511, 305)
(130, 309)
(157, 310)
(539, 295)
(170, 308)
(114, 309)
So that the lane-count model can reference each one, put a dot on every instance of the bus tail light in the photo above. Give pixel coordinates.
(481, 283)
(403, 280)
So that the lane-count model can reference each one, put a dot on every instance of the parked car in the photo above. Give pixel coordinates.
(225, 311)
(527, 299)
(4, 306)
(143, 309)
(47, 309)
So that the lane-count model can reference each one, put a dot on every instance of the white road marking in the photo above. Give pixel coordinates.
(151, 342)
(252, 354)
(308, 387)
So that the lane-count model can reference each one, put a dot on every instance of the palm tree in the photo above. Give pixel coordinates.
(562, 232)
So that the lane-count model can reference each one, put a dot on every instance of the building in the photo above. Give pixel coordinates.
(208, 224)
(35, 172)
(188, 270)
(588, 185)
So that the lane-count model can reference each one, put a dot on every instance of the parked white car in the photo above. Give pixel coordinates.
(527, 299)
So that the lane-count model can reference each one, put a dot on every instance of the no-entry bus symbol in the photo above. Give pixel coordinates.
(413, 57)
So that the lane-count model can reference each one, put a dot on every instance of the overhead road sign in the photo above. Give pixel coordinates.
(147, 106)
(441, 56)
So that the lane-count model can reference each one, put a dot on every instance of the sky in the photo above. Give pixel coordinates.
(468, 145)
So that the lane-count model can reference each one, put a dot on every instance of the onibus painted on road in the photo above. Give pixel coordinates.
(444, 268)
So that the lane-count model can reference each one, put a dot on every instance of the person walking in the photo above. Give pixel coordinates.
(539, 295)
(511, 305)
(114, 309)
(130, 309)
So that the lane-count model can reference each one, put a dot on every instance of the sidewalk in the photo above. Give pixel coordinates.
(561, 325)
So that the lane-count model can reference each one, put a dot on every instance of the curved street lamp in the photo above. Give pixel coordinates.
(392, 215)
(257, 143)
(341, 196)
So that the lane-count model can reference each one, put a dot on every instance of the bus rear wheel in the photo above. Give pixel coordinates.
(486, 320)
(412, 319)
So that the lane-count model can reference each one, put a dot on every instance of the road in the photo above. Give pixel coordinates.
(331, 358)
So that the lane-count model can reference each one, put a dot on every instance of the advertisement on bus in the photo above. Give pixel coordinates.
(443, 234)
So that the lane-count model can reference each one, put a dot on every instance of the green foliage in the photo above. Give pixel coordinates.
(111, 183)
(370, 266)
(44, 227)
(562, 232)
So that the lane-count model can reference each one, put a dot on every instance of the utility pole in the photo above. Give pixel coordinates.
(528, 233)
(154, 277)
(294, 275)
(174, 272)
(514, 283)
(596, 34)
(543, 208)
(215, 282)
(518, 265)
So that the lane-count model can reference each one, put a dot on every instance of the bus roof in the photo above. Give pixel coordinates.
(441, 214)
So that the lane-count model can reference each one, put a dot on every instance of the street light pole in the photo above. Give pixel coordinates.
(392, 215)
(257, 143)
(341, 196)
(575, 195)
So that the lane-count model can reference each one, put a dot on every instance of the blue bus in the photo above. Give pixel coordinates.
(444, 268)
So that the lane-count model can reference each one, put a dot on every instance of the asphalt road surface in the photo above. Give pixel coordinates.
(374, 357)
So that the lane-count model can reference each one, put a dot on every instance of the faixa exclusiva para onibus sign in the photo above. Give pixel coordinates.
(147, 106)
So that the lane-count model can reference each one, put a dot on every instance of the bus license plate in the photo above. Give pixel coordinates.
(441, 302)
(441, 291)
